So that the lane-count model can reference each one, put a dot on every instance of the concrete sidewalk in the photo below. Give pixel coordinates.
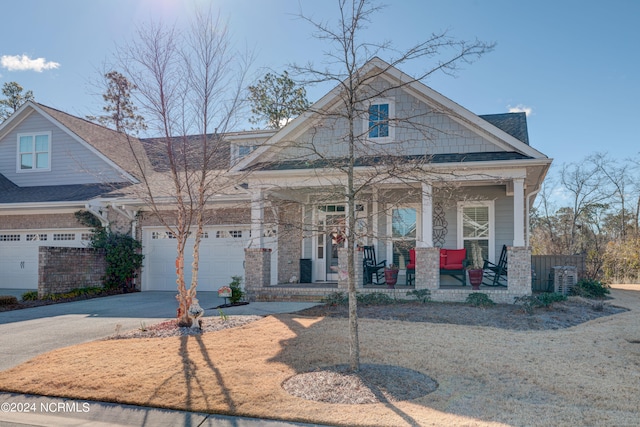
(27, 410)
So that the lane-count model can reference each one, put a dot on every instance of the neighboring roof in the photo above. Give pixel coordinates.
(515, 124)
(58, 193)
(374, 161)
(156, 149)
(6, 184)
(219, 143)
(113, 145)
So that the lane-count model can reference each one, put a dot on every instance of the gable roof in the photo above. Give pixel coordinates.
(506, 131)
(515, 124)
(112, 147)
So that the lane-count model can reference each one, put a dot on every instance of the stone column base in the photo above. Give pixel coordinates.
(427, 268)
(519, 270)
(257, 269)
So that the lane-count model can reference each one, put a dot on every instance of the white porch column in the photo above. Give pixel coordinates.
(347, 213)
(257, 218)
(426, 238)
(375, 218)
(518, 212)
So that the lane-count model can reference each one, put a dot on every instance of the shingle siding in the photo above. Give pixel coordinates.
(430, 132)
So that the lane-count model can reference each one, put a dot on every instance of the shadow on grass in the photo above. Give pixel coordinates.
(195, 381)
(384, 384)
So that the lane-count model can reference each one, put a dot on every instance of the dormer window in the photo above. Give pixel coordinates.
(34, 152)
(378, 125)
(240, 151)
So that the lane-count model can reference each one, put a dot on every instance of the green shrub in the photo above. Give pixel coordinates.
(74, 293)
(531, 302)
(123, 257)
(236, 289)
(375, 298)
(335, 298)
(478, 299)
(548, 298)
(8, 300)
(590, 288)
(422, 295)
(30, 296)
(122, 252)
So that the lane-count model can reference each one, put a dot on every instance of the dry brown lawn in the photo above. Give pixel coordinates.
(587, 374)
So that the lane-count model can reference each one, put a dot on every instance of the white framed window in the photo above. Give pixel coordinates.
(476, 222)
(64, 236)
(9, 237)
(402, 229)
(238, 152)
(34, 152)
(157, 235)
(378, 122)
(36, 237)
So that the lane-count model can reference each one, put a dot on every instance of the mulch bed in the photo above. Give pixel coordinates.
(573, 311)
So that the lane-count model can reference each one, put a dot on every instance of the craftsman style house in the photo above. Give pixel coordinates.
(429, 175)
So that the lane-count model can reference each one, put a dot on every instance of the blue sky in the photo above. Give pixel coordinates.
(572, 65)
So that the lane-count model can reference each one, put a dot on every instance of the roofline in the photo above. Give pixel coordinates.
(546, 162)
(7, 125)
(441, 165)
(38, 207)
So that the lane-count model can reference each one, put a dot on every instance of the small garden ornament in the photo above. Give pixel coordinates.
(195, 312)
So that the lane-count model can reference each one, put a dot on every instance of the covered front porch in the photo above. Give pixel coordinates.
(393, 219)
(427, 276)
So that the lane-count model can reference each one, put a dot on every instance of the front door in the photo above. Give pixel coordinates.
(335, 240)
(329, 237)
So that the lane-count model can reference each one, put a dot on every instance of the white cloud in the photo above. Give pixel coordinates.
(23, 63)
(520, 108)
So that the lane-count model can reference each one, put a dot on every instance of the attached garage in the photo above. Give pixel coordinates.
(221, 256)
(19, 253)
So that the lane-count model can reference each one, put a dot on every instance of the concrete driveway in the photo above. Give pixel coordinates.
(29, 332)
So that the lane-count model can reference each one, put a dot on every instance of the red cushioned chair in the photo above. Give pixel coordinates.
(453, 263)
(411, 267)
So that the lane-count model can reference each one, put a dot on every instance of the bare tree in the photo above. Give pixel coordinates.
(190, 87)
(616, 176)
(583, 184)
(347, 59)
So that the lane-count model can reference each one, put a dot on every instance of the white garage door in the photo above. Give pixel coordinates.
(19, 253)
(221, 256)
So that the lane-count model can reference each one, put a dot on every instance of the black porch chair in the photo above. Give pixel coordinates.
(496, 274)
(370, 267)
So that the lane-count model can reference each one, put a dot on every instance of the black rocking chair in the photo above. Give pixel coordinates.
(496, 274)
(370, 267)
